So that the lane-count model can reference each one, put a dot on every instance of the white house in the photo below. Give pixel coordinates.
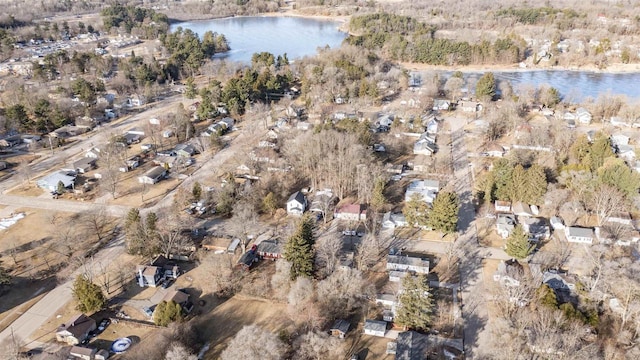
(619, 122)
(407, 264)
(375, 328)
(427, 189)
(583, 116)
(351, 212)
(424, 147)
(393, 220)
(494, 150)
(442, 105)
(296, 204)
(580, 235)
(505, 223)
(153, 175)
(469, 106)
(502, 206)
(619, 139)
(51, 181)
(556, 223)
(626, 152)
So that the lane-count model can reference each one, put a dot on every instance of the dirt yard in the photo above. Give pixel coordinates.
(229, 317)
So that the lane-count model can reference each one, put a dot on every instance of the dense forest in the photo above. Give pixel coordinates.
(151, 23)
(405, 39)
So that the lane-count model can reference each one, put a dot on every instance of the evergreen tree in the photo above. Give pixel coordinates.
(378, 199)
(486, 86)
(269, 203)
(518, 243)
(535, 184)
(190, 91)
(166, 313)
(88, 295)
(196, 191)
(444, 214)
(416, 211)
(547, 297)
(614, 172)
(502, 173)
(516, 184)
(599, 151)
(415, 307)
(61, 189)
(580, 148)
(5, 276)
(299, 249)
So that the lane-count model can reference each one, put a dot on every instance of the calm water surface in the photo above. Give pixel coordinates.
(297, 37)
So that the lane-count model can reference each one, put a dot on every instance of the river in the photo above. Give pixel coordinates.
(295, 36)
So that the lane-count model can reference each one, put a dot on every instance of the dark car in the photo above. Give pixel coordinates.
(167, 283)
(103, 324)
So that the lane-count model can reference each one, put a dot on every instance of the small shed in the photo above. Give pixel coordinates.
(83, 352)
(340, 328)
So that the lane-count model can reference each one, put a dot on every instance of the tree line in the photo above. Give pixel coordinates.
(151, 22)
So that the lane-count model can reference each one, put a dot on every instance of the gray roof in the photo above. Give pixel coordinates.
(79, 325)
(411, 345)
(155, 171)
(297, 196)
(341, 325)
(53, 179)
(407, 260)
(580, 232)
(375, 325)
(272, 246)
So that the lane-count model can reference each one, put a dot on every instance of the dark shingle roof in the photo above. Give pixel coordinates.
(341, 325)
(411, 346)
(297, 196)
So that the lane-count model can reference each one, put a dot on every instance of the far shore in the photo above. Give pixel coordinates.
(617, 68)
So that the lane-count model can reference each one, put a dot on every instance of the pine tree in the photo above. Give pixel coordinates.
(535, 184)
(486, 86)
(547, 296)
(416, 211)
(190, 91)
(599, 151)
(415, 307)
(444, 213)
(5, 276)
(166, 313)
(502, 173)
(60, 188)
(518, 243)
(516, 184)
(378, 199)
(580, 148)
(299, 249)
(196, 191)
(88, 295)
(269, 203)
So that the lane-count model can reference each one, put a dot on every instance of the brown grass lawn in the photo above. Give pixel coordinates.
(228, 318)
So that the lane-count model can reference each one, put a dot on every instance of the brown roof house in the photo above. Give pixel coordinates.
(351, 212)
(340, 328)
(76, 330)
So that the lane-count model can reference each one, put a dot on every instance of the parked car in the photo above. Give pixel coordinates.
(148, 311)
(167, 283)
(103, 324)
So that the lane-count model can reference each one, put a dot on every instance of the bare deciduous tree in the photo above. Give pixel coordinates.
(178, 352)
(252, 342)
(319, 346)
(605, 201)
(328, 249)
(341, 292)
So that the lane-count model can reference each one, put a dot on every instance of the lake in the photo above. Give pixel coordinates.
(295, 36)
(573, 85)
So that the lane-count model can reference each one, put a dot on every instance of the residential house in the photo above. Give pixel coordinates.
(179, 297)
(351, 212)
(185, 150)
(375, 327)
(75, 330)
(583, 116)
(83, 352)
(84, 165)
(296, 204)
(68, 131)
(411, 345)
(537, 228)
(166, 161)
(424, 147)
(51, 181)
(426, 189)
(620, 218)
(432, 126)
(93, 153)
(509, 273)
(441, 105)
(135, 100)
(407, 263)
(494, 150)
(556, 223)
(132, 138)
(387, 300)
(392, 220)
(502, 206)
(558, 281)
(505, 223)
(247, 259)
(270, 249)
(469, 106)
(153, 175)
(619, 139)
(521, 209)
(580, 235)
(227, 122)
(619, 122)
(86, 121)
(340, 328)
(149, 275)
(626, 152)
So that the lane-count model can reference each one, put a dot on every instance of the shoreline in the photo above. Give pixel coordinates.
(343, 22)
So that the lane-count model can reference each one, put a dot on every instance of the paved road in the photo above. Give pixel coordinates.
(474, 314)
